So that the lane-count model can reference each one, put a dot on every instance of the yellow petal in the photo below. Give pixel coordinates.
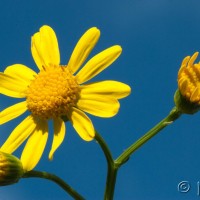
(185, 60)
(193, 58)
(195, 95)
(21, 72)
(44, 47)
(82, 124)
(183, 64)
(98, 105)
(114, 89)
(35, 146)
(12, 112)
(59, 135)
(183, 85)
(12, 86)
(98, 63)
(35, 42)
(83, 48)
(19, 134)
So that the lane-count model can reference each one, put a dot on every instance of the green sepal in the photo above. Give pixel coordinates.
(64, 118)
(184, 105)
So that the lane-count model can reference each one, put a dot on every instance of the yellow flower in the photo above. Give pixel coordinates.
(189, 79)
(187, 97)
(57, 92)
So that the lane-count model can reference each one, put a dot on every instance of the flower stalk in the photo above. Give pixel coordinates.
(38, 174)
(173, 115)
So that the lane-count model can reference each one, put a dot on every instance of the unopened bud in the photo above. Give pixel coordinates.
(187, 97)
(11, 169)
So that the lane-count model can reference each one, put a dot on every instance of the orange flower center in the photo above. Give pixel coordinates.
(52, 92)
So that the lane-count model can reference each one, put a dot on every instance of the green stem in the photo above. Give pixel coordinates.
(55, 179)
(110, 183)
(112, 169)
(173, 115)
(114, 165)
(105, 148)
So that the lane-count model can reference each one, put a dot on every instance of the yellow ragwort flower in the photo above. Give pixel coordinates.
(187, 97)
(189, 79)
(57, 92)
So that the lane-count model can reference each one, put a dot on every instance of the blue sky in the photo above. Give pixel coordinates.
(155, 36)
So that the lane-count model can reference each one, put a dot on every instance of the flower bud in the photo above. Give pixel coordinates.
(187, 97)
(11, 169)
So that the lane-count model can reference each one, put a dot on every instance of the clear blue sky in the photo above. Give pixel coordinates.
(155, 36)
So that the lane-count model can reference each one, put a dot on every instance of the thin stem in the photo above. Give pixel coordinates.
(173, 115)
(112, 170)
(56, 179)
(105, 148)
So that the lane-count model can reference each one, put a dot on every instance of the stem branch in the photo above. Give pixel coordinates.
(112, 170)
(173, 115)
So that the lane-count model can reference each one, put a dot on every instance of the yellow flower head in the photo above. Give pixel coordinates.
(189, 79)
(57, 92)
(187, 98)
